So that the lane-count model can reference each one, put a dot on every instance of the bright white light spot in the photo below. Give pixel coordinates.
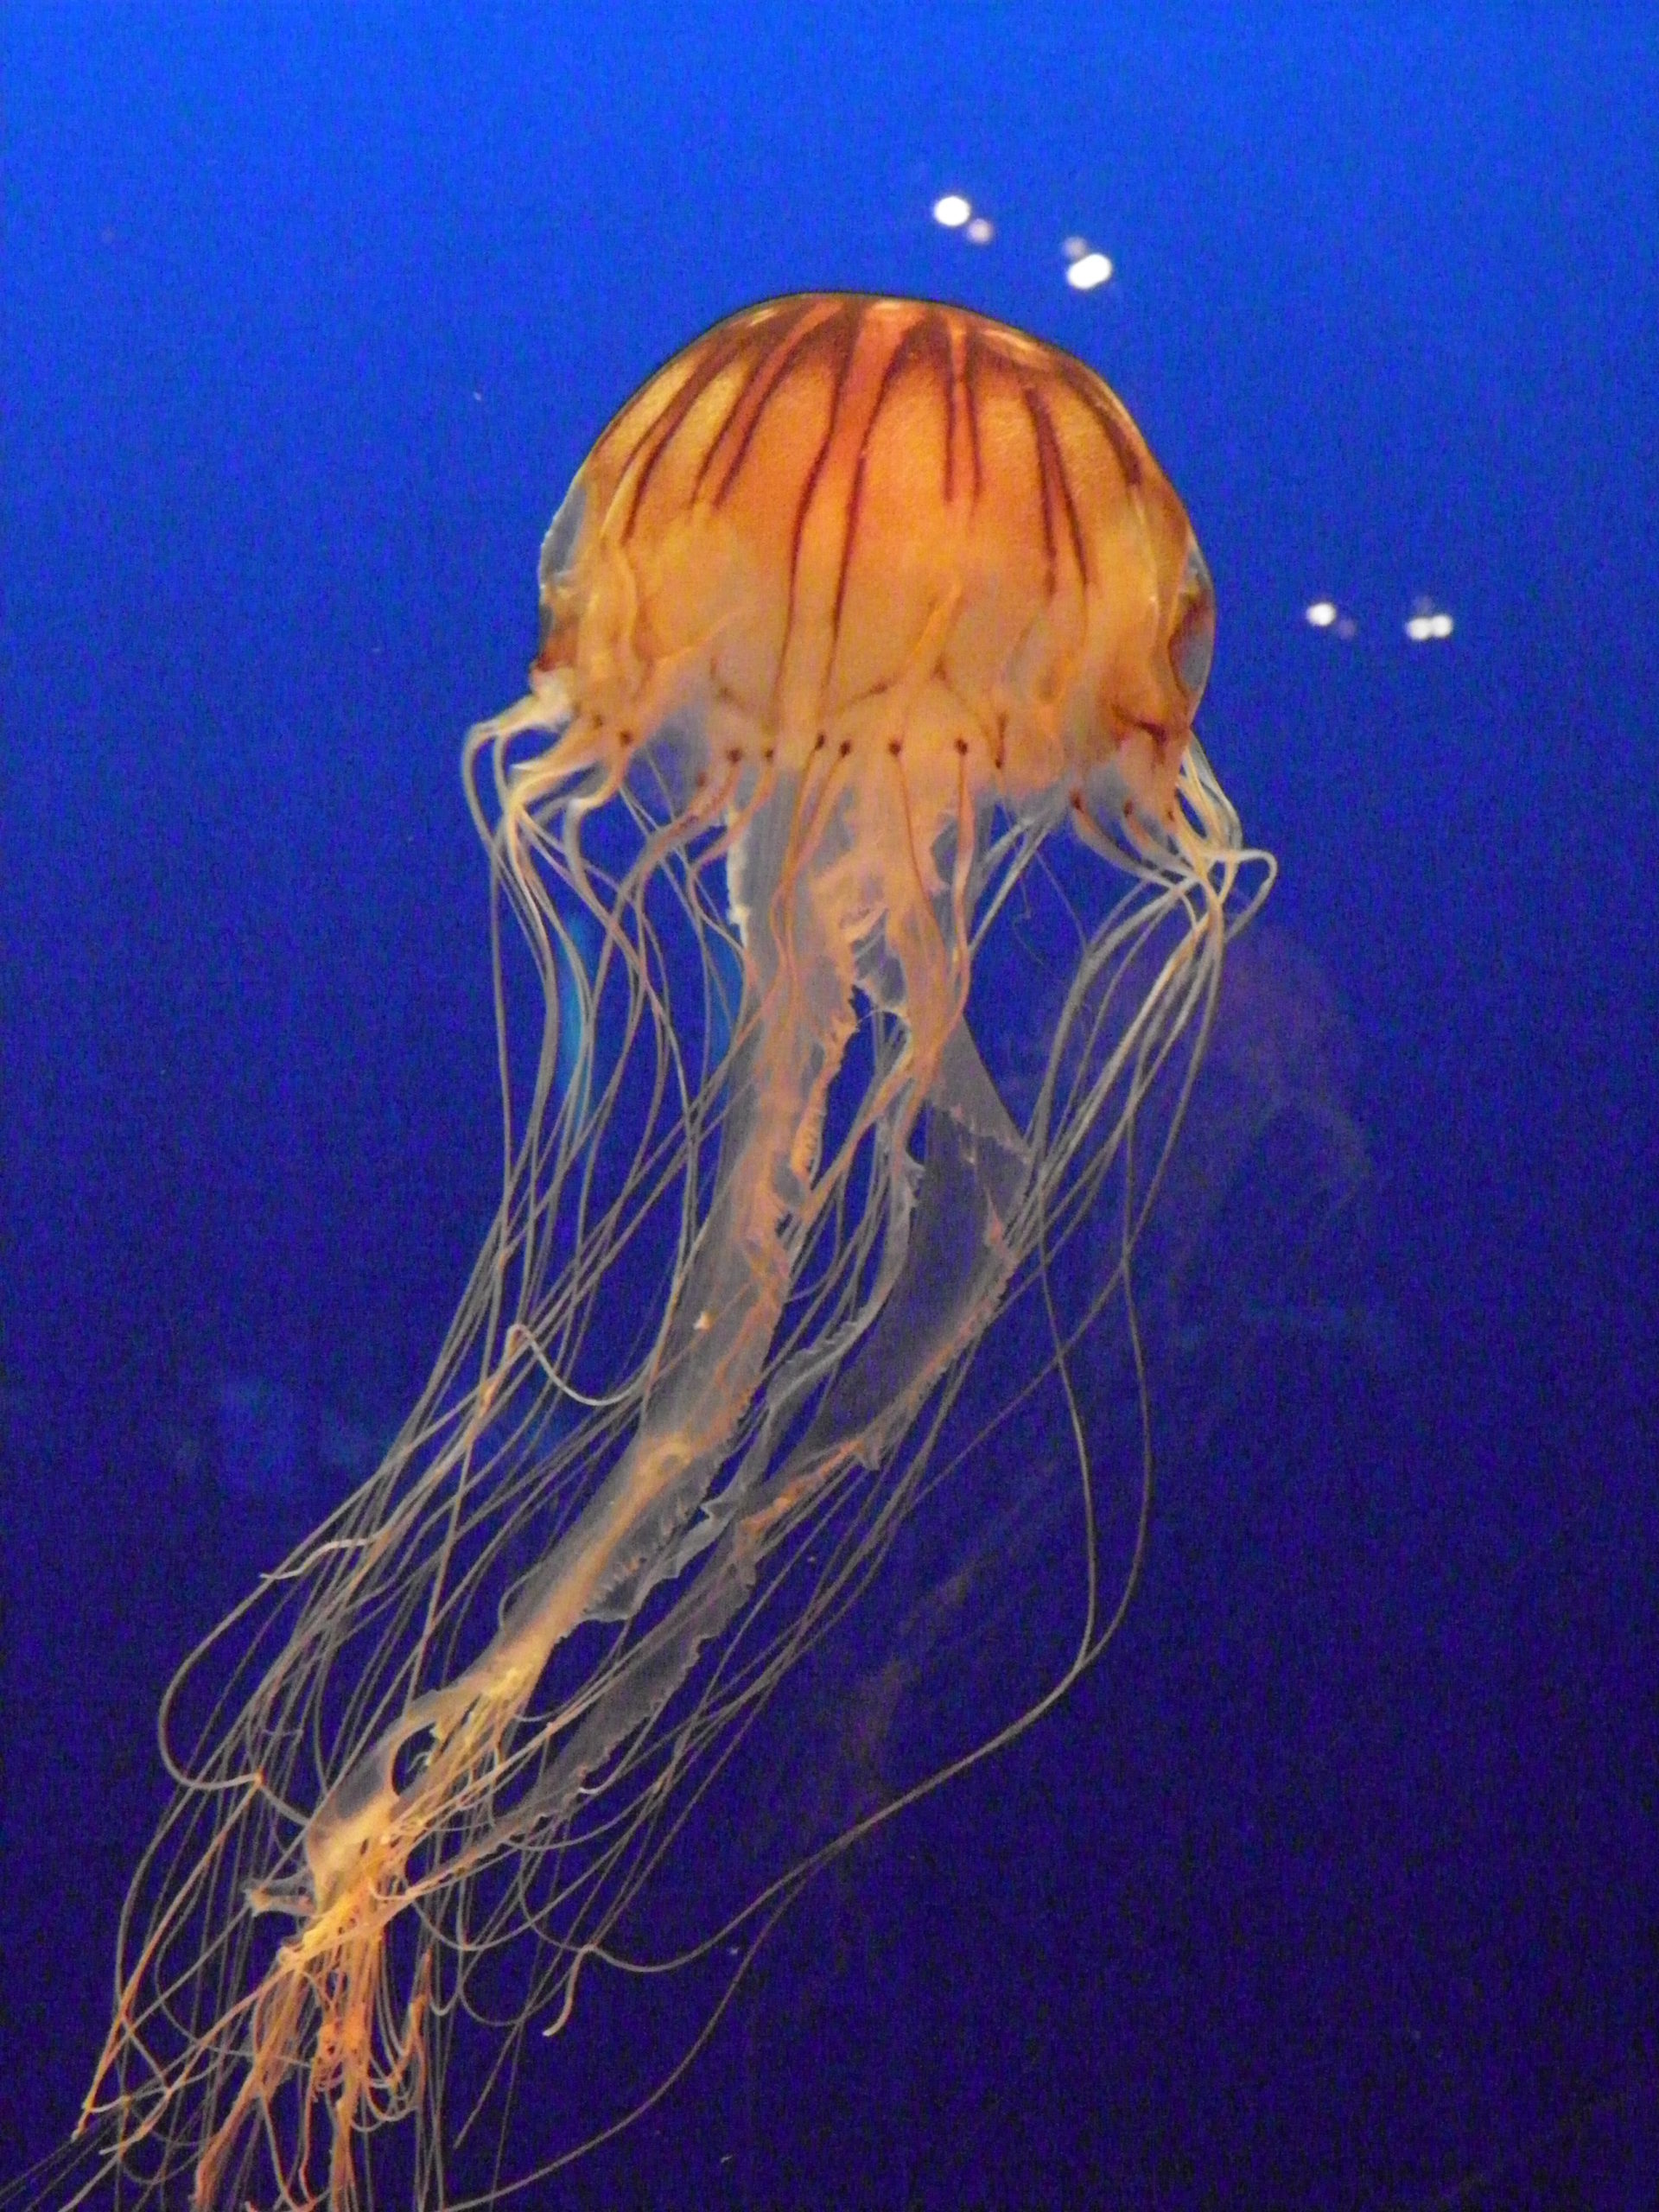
(952, 210)
(1326, 614)
(1074, 248)
(1088, 270)
(981, 231)
(1427, 622)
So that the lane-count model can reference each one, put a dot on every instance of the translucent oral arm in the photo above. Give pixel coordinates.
(794, 1023)
(956, 1264)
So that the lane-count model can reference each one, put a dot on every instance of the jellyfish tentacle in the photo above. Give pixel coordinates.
(955, 1266)
(716, 1340)
(801, 922)
(958, 1257)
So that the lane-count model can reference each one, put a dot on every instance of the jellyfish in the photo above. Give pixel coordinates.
(855, 613)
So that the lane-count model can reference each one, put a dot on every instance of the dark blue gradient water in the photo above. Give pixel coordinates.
(1337, 1882)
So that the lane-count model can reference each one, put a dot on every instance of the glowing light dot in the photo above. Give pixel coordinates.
(1428, 622)
(952, 210)
(1074, 248)
(1087, 271)
(1322, 613)
(981, 231)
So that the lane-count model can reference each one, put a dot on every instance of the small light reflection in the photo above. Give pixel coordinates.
(952, 210)
(1326, 614)
(1088, 271)
(979, 232)
(1427, 622)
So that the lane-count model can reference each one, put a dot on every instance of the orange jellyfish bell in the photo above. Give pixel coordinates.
(853, 522)
(850, 608)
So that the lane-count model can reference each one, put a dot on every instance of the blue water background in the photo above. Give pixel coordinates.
(1338, 1883)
